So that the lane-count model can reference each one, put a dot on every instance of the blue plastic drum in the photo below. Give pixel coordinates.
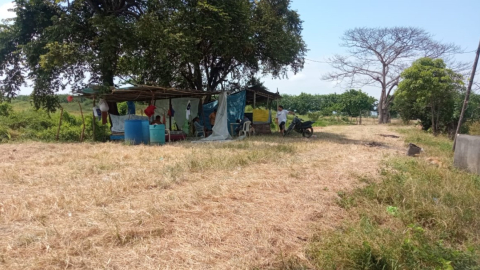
(157, 134)
(145, 132)
(133, 131)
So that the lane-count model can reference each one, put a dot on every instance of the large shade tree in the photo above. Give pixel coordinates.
(191, 44)
(204, 44)
(377, 56)
(56, 43)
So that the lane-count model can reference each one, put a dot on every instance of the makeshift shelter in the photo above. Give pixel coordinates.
(261, 119)
(257, 95)
(164, 99)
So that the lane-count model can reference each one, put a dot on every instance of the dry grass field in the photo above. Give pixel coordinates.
(237, 205)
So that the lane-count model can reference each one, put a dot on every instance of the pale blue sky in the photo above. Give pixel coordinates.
(325, 22)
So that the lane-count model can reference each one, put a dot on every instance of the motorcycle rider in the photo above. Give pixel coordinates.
(282, 118)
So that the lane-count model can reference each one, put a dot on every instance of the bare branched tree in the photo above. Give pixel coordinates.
(377, 56)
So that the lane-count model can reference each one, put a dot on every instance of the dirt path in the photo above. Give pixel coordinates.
(100, 206)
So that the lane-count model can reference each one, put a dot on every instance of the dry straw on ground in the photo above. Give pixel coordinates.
(234, 205)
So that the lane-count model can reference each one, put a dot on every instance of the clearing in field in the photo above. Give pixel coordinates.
(235, 205)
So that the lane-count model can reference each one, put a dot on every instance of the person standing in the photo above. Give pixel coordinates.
(212, 117)
(282, 118)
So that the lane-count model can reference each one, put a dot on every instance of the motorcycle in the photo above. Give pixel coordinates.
(301, 127)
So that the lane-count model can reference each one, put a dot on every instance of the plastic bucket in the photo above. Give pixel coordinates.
(133, 131)
(157, 134)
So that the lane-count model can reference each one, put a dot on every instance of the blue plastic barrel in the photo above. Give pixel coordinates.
(145, 132)
(133, 131)
(157, 134)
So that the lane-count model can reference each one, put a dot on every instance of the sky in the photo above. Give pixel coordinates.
(325, 21)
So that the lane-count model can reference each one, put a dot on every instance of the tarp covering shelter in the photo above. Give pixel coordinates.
(220, 129)
(235, 109)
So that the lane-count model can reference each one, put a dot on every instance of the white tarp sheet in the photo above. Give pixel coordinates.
(179, 105)
(220, 129)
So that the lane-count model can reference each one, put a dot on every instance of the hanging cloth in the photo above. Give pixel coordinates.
(150, 110)
(188, 111)
(171, 112)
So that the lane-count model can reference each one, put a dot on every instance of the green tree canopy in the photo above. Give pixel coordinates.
(56, 44)
(190, 44)
(427, 91)
(355, 102)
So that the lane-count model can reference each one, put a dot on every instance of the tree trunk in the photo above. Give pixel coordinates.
(383, 108)
(380, 109)
(434, 128)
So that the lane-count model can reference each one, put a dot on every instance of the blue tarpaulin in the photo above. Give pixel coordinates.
(130, 107)
(235, 109)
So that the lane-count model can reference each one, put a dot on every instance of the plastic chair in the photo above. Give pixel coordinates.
(199, 130)
(246, 129)
(167, 131)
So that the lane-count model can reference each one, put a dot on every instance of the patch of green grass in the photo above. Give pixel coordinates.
(205, 157)
(440, 145)
(418, 216)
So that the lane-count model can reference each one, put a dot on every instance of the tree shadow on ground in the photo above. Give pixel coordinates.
(294, 137)
(338, 139)
(318, 136)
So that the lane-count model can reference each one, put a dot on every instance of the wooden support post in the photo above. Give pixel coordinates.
(276, 110)
(201, 116)
(60, 122)
(465, 102)
(170, 115)
(254, 99)
(83, 121)
(93, 120)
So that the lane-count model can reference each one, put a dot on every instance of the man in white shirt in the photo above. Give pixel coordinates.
(282, 118)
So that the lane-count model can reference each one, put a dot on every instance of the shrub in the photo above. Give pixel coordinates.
(122, 108)
(5, 109)
(101, 131)
(4, 133)
(314, 116)
(39, 125)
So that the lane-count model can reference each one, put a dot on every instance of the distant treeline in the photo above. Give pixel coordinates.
(350, 103)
